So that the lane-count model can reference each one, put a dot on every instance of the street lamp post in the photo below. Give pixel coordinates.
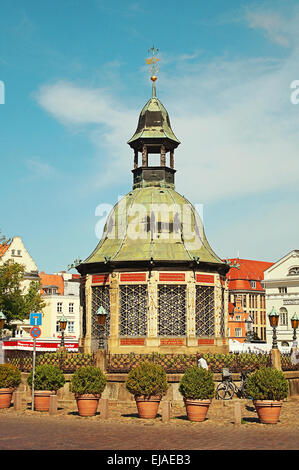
(295, 324)
(62, 326)
(101, 319)
(274, 319)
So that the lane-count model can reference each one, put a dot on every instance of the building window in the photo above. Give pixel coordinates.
(238, 332)
(282, 290)
(204, 311)
(133, 310)
(171, 310)
(283, 316)
(59, 306)
(238, 317)
(294, 271)
(12, 252)
(253, 284)
(70, 327)
(19, 252)
(71, 307)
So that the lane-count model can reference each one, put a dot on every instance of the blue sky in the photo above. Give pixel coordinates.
(75, 82)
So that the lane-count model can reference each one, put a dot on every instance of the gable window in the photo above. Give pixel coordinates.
(294, 271)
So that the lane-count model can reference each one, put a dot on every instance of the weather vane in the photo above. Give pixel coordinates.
(152, 62)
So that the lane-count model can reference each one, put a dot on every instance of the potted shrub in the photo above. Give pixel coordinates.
(198, 388)
(88, 383)
(148, 383)
(268, 388)
(47, 380)
(10, 378)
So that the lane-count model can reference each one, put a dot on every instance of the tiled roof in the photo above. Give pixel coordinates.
(249, 270)
(52, 280)
(4, 248)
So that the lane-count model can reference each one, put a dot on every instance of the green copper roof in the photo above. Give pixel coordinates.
(153, 223)
(154, 123)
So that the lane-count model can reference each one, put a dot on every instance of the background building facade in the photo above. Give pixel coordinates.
(281, 282)
(245, 282)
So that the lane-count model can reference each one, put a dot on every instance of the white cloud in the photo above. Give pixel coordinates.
(40, 169)
(238, 128)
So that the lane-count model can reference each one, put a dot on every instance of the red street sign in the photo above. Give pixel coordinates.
(35, 332)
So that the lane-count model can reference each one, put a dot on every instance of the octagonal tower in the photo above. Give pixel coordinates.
(154, 272)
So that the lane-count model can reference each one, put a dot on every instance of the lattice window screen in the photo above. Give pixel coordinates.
(204, 311)
(171, 310)
(133, 310)
(100, 297)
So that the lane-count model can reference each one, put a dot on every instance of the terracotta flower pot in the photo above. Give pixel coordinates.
(42, 399)
(147, 406)
(87, 404)
(268, 410)
(197, 409)
(5, 397)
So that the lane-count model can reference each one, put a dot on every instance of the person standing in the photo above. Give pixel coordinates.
(201, 362)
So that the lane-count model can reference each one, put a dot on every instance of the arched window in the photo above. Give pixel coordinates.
(283, 316)
(294, 271)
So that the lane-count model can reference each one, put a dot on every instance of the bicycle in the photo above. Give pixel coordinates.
(227, 388)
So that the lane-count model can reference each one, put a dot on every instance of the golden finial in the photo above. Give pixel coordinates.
(152, 62)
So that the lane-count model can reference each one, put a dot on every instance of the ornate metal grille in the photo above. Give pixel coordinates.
(133, 310)
(204, 311)
(171, 310)
(100, 297)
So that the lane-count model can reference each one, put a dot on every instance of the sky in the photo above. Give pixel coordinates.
(74, 79)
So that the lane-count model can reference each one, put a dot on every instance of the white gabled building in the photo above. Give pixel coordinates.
(281, 282)
(17, 252)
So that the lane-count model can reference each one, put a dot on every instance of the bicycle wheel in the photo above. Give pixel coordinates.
(243, 392)
(225, 391)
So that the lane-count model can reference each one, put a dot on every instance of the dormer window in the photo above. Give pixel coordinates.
(253, 284)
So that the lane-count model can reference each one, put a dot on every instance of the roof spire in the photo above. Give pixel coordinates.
(152, 62)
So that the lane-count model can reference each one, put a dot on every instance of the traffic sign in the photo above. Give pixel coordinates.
(35, 332)
(35, 319)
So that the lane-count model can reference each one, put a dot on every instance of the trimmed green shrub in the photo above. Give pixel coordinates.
(10, 376)
(47, 377)
(197, 383)
(147, 379)
(88, 380)
(267, 384)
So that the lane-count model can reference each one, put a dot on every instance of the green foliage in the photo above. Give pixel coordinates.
(10, 376)
(88, 380)
(197, 383)
(15, 303)
(147, 379)
(267, 384)
(47, 377)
